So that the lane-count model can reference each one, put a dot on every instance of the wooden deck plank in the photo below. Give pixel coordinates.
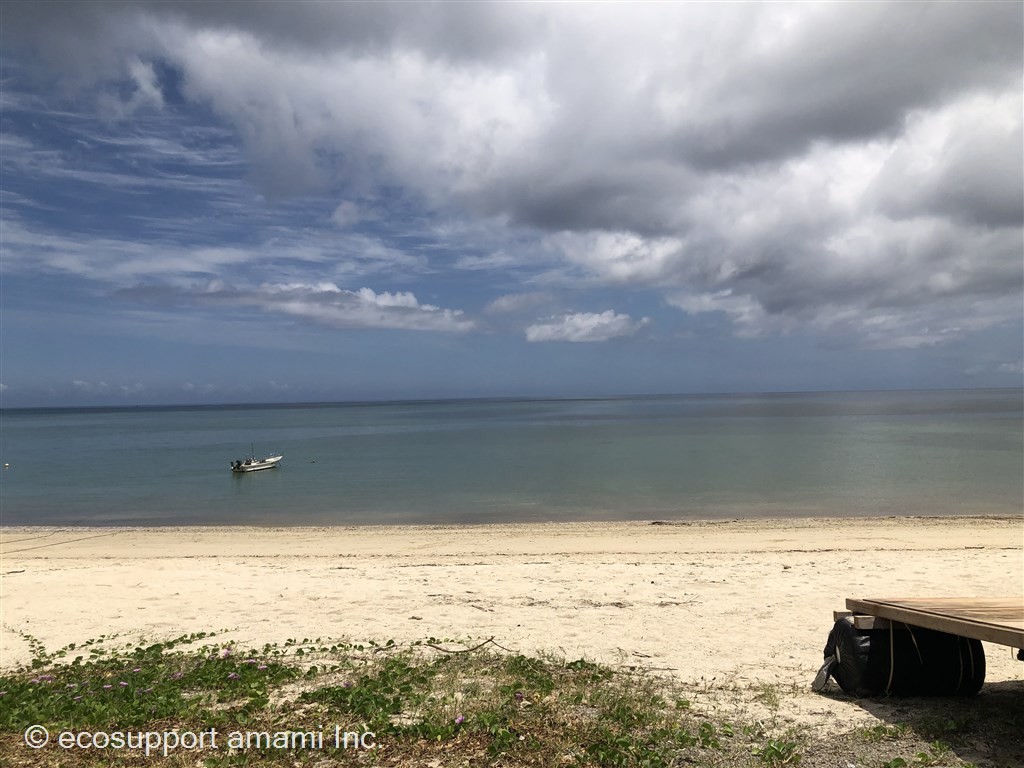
(994, 620)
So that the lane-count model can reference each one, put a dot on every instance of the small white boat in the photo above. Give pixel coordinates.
(250, 463)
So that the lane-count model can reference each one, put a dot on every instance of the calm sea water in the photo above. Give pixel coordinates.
(845, 454)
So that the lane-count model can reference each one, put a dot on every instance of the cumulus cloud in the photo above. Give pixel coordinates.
(327, 304)
(585, 327)
(960, 161)
(843, 231)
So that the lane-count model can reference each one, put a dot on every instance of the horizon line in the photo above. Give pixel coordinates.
(489, 398)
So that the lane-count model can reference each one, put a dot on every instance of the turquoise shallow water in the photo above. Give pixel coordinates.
(471, 461)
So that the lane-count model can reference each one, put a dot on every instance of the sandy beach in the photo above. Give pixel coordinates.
(726, 606)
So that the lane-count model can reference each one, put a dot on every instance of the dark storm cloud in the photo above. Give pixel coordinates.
(97, 33)
(450, 30)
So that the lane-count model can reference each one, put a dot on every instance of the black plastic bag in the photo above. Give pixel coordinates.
(902, 661)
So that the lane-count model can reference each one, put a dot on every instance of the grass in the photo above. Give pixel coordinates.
(320, 704)
(769, 695)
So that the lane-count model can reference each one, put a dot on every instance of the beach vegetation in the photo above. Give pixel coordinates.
(777, 752)
(320, 704)
(769, 694)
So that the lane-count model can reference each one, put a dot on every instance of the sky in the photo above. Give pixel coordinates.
(284, 201)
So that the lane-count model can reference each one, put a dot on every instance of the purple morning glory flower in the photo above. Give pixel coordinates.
(459, 720)
(107, 687)
(233, 676)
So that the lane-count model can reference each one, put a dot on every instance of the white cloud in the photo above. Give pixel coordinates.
(514, 303)
(146, 92)
(323, 303)
(585, 327)
(109, 260)
(746, 313)
(488, 262)
(962, 161)
(438, 126)
(620, 257)
(386, 299)
(349, 214)
(327, 304)
(121, 262)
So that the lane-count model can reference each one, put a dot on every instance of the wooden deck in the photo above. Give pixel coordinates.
(995, 620)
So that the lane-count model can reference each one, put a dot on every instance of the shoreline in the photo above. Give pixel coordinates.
(725, 604)
(724, 519)
(718, 513)
(709, 535)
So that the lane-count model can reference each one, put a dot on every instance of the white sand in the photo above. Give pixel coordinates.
(727, 605)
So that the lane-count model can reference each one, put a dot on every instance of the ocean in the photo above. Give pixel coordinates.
(503, 461)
